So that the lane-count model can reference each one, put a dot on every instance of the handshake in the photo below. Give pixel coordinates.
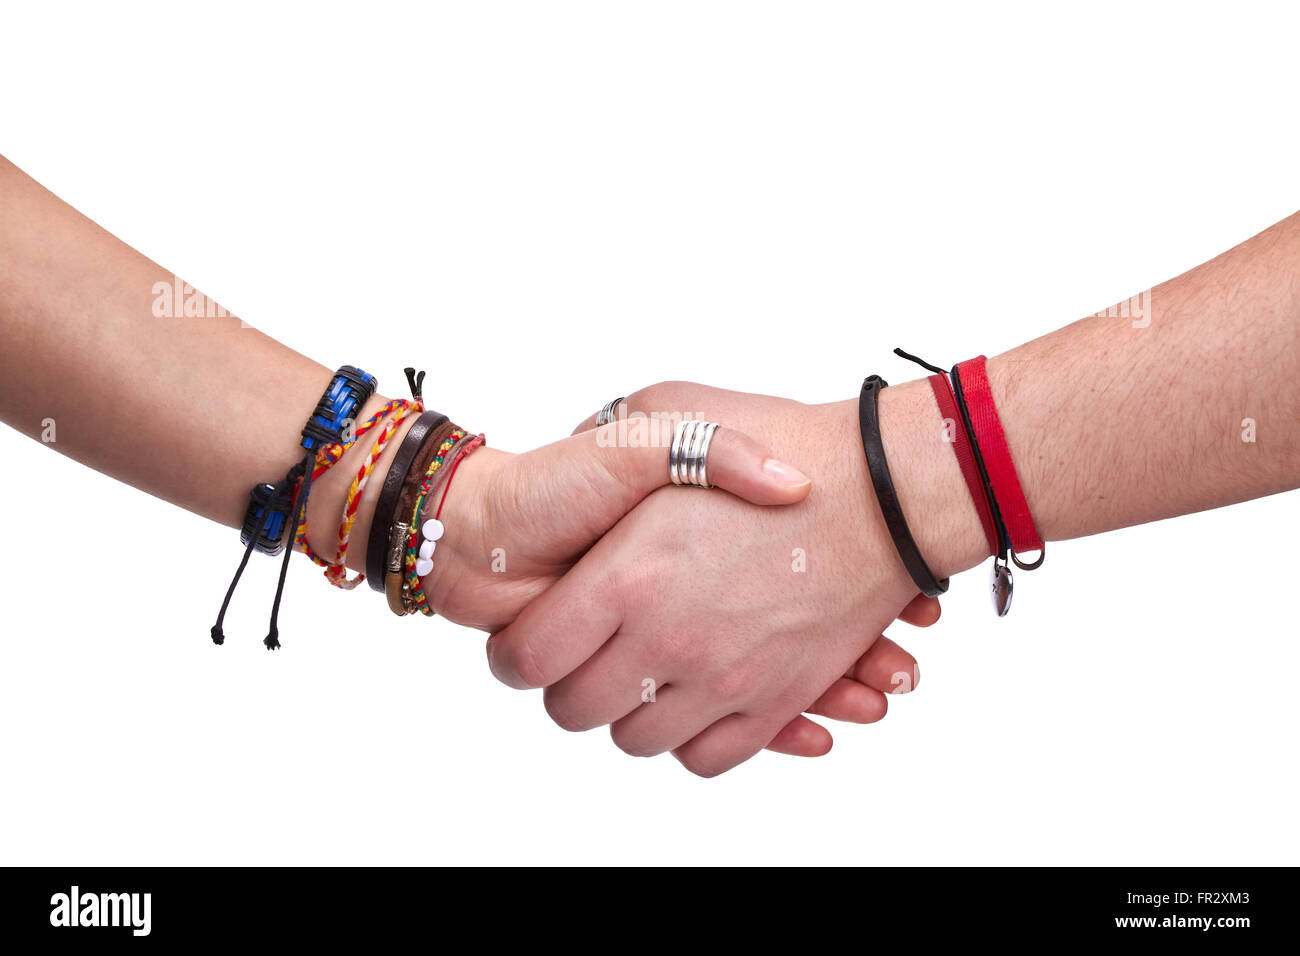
(705, 623)
(701, 623)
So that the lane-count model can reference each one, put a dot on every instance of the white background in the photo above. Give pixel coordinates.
(554, 203)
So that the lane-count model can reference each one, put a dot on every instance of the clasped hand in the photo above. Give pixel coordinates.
(703, 623)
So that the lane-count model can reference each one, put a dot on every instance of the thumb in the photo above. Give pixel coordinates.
(637, 464)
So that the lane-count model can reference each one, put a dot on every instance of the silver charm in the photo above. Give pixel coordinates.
(1001, 587)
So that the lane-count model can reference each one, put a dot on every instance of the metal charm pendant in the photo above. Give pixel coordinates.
(1001, 587)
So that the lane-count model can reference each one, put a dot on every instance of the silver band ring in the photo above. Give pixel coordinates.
(607, 413)
(688, 455)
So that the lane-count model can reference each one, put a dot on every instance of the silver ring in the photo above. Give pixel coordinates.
(688, 455)
(607, 413)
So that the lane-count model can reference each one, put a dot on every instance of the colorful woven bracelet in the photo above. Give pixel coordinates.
(418, 600)
(326, 458)
(337, 573)
(336, 570)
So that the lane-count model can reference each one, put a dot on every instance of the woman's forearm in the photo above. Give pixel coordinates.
(194, 410)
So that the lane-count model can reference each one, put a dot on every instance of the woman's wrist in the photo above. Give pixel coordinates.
(467, 561)
(329, 492)
(462, 547)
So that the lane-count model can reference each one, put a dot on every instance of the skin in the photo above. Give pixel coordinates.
(1115, 420)
(1109, 421)
(155, 400)
(566, 517)
(737, 642)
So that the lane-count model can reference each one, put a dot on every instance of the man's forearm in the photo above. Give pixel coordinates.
(1188, 400)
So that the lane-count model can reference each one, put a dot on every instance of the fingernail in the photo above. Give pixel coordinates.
(784, 474)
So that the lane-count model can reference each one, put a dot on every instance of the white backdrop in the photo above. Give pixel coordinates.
(565, 192)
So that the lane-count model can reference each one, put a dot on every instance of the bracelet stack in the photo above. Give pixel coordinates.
(423, 531)
(403, 535)
(980, 444)
(336, 570)
(276, 510)
(400, 548)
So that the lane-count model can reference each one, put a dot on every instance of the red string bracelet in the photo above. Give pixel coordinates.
(420, 601)
(470, 445)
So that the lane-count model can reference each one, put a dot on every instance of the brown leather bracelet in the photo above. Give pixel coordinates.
(395, 591)
(401, 516)
(381, 525)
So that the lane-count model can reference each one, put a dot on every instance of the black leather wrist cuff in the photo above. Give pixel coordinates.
(385, 506)
(869, 423)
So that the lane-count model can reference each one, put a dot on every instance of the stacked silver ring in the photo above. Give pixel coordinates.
(607, 413)
(688, 456)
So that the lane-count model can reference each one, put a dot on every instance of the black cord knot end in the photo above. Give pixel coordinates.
(272, 640)
(218, 635)
(416, 382)
(919, 361)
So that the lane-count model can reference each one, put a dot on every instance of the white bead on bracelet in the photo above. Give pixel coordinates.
(431, 531)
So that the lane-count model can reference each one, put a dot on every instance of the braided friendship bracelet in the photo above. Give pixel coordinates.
(275, 509)
(432, 529)
(337, 573)
(266, 528)
(329, 455)
(417, 597)
(397, 592)
(326, 458)
(387, 532)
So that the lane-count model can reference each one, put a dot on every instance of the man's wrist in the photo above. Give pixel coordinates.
(928, 480)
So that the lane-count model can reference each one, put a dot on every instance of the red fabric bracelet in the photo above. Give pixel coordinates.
(965, 457)
(1001, 470)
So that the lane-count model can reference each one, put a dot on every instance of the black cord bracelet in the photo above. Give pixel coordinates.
(886, 497)
(274, 511)
(959, 393)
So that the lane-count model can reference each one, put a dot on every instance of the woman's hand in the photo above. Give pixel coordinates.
(515, 523)
(740, 619)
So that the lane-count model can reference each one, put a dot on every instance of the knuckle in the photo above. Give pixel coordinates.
(732, 683)
(660, 393)
(525, 665)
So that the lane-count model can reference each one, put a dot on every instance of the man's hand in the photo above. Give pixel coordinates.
(741, 619)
